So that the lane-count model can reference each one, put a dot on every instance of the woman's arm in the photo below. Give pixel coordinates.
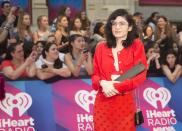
(35, 36)
(88, 64)
(157, 63)
(75, 69)
(31, 71)
(13, 74)
(96, 76)
(43, 75)
(58, 36)
(172, 76)
(64, 72)
(3, 34)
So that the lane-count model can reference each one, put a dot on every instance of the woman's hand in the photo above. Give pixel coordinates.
(108, 88)
(31, 59)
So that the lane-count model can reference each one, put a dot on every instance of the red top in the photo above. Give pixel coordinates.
(127, 58)
(7, 63)
(116, 113)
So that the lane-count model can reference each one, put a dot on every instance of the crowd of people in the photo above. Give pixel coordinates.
(66, 46)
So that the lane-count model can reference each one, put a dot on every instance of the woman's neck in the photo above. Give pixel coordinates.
(76, 53)
(49, 61)
(43, 29)
(119, 44)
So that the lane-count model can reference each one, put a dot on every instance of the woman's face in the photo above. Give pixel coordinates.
(149, 31)
(63, 22)
(156, 48)
(18, 53)
(26, 20)
(39, 48)
(120, 28)
(171, 59)
(77, 23)
(79, 43)
(44, 21)
(68, 12)
(53, 52)
(83, 15)
(150, 52)
(101, 30)
(161, 23)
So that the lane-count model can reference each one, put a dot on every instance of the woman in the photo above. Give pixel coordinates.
(98, 35)
(171, 68)
(62, 34)
(64, 10)
(15, 66)
(164, 36)
(52, 63)
(79, 61)
(43, 29)
(114, 106)
(84, 19)
(148, 34)
(23, 32)
(154, 67)
(76, 27)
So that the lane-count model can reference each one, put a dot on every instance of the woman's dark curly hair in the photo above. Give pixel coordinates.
(58, 63)
(133, 34)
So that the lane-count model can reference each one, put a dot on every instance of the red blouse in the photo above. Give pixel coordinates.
(8, 63)
(104, 65)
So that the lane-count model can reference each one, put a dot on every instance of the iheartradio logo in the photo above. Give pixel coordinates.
(84, 98)
(22, 101)
(161, 94)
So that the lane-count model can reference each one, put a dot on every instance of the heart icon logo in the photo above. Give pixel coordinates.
(84, 98)
(22, 101)
(161, 94)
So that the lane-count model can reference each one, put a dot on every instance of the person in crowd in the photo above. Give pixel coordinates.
(43, 29)
(138, 17)
(52, 63)
(62, 34)
(98, 35)
(5, 30)
(6, 9)
(171, 68)
(15, 65)
(154, 66)
(174, 29)
(163, 35)
(63, 11)
(148, 34)
(76, 27)
(23, 32)
(79, 59)
(152, 20)
(114, 104)
(39, 46)
(84, 20)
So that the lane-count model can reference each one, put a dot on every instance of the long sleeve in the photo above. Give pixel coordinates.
(139, 56)
(96, 72)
